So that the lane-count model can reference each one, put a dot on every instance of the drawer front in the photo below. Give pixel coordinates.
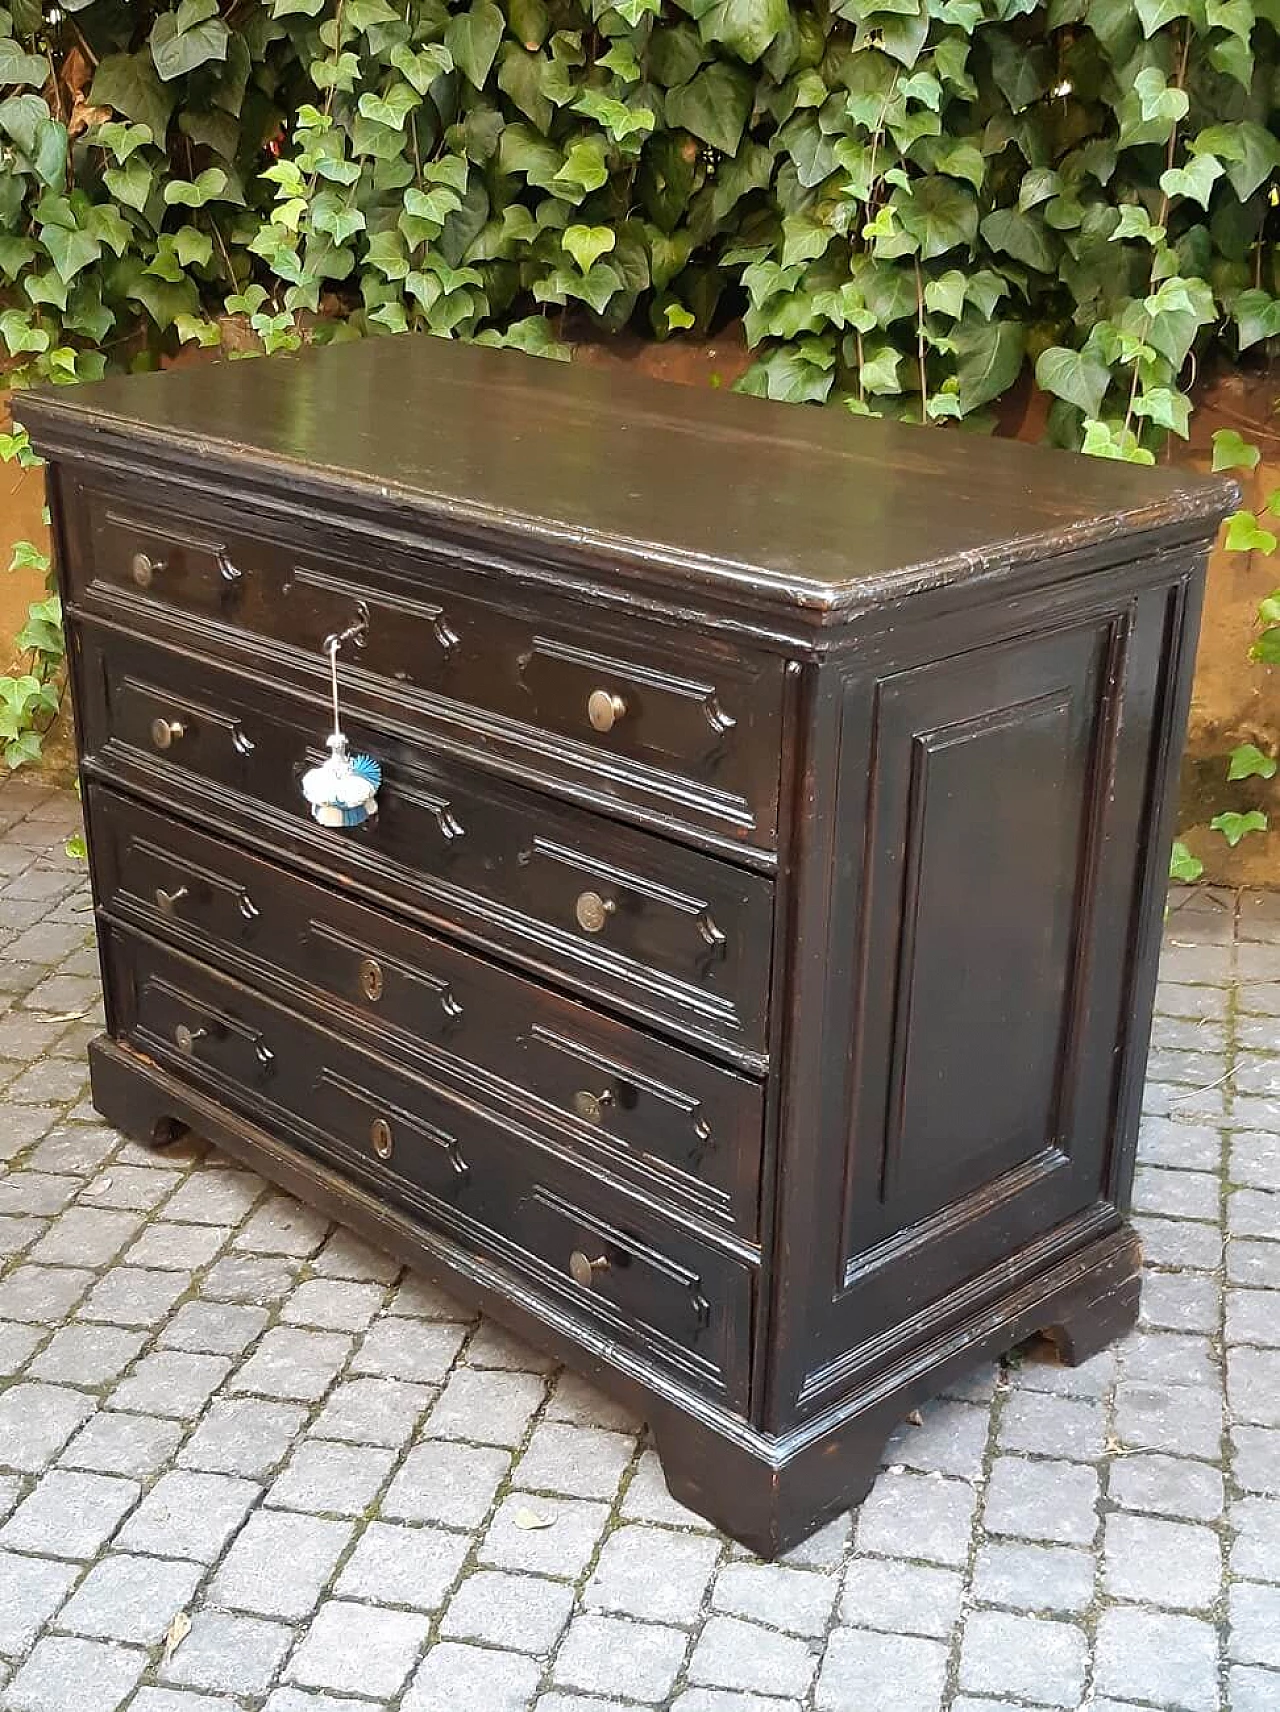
(647, 717)
(418, 1143)
(670, 934)
(673, 1125)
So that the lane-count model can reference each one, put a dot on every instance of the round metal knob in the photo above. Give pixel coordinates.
(143, 569)
(592, 911)
(165, 732)
(381, 1138)
(167, 902)
(371, 979)
(583, 1270)
(185, 1038)
(605, 709)
(591, 1106)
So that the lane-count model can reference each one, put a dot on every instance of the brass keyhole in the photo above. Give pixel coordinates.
(592, 911)
(605, 708)
(166, 732)
(584, 1271)
(381, 1138)
(371, 981)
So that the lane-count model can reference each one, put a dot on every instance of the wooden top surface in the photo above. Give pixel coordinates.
(798, 508)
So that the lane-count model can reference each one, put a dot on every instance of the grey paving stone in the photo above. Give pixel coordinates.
(69, 1514)
(188, 1516)
(1180, 1301)
(293, 1364)
(48, 1079)
(486, 1407)
(42, 1295)
(243, 1435)
(1255, 1624)
(731, 1653)
(1254, 1160)
(827, 1549)
(1256, 1458)
(228, 1654)
(1254, 1263)
(1151, 1656)
(31, 1590)
(282, 1225)
(1184, 1420)
(215, 1197)
(1253, 1385)
(171, 1382)
(86, 1236)
(1033, 1577)
(1253, 1316)
(334, 1304)
(409, 1349)
(42, 1193)
(329, 1478)
(1030, 1658)
(262, 1279)
(279, 1564)
(609, 1655)
(130, 1188)
(562, 1547)
(419, 1299)
(128, 1598)
(901, 1598)
(704, 1700)
(950, 1439)
(652, 1574)
(797, 1600)
(1042, 1500)
(1167, 1486)
(525, 1613)
(450, 1483)
(358, 1649)
(36, 1420)
(1179, 1146)
(214, 1328)
(374, 1411)
(134, 1296)
(344, 1255)
(16, 1346)
(1253, 1212)
(1045, 1425)
(175, 1248)
(492, 1345)
(1176, 1564)
(1180, 1243)
(576, 1400)
(1255, 1551)
(893, 1673)
(647, 1499)
(63, 1672)
(1168, 1358)
(1253, 1690)
(579, 1462)
(300, 1700)
(130, 1445)
(179, 1700)
(917, 1516)
(86, 1355)
(472, 1679)
(1176, 1194)
(393, 1565)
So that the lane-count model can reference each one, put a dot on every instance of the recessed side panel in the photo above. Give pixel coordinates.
(971, 1005)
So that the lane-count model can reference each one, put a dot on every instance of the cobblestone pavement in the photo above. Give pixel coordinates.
(214, 1403)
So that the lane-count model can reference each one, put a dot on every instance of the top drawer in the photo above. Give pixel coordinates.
(684, 729)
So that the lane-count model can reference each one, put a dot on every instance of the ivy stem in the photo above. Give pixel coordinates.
(920, 342)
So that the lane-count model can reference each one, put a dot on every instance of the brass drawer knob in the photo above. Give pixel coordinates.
(167, 902)
(380, 1138)
(166, 732)
(185, 1038)
(583, 1270)
(592, 911)
(143, 569)
(372, 983)
(591, 1107)
(605, 709)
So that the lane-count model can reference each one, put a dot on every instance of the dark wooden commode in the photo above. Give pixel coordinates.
(744, 987)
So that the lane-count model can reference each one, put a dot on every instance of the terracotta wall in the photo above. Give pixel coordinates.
(1235, 701)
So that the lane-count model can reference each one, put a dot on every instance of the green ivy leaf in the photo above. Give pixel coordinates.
(194, 193)
(1249, 762)
(184, 40)
(745, 27)
(1185, 868)
(19, 67)
(1155, 14)
(1196, 179)
(1074, 376)
(1165, 407)
(715, 105)
(586, 244)
(989, 359)
(939, 215)
(1022, 236)
(1234, 827)
(128, 84)
(1231, 451)
(472, 39)
(1246, 535)
(1257, 316)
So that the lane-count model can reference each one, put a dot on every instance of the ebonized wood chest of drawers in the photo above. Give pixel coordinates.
(743, 987)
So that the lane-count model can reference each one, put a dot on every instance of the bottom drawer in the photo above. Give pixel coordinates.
(430, 1149)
